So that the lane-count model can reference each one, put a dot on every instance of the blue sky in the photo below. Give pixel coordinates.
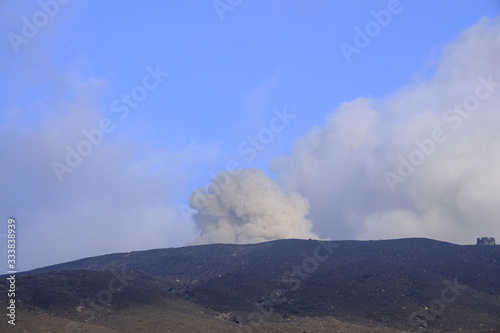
(228, 74)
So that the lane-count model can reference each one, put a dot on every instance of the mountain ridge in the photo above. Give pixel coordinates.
(386, 283)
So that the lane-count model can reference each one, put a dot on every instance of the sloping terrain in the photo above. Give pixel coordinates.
(406, 284)
(69, 301)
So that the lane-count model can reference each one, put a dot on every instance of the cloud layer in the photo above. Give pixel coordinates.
(422, 162)
(248, 207)
(119, 198)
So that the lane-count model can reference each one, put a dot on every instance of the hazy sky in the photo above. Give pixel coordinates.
(368, 119)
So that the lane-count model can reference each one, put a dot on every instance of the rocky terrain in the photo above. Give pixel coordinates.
(404, 285)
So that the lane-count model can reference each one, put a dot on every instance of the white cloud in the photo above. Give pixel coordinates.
(120, 198)
(453, 195)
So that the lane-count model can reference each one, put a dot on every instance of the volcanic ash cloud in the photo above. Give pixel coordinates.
(422, 162)
(246, 206)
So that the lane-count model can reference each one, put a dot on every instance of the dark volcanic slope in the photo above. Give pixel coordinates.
(69, 302)
(382, 282)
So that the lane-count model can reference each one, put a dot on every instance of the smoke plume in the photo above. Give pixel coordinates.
(246, 206)
(423, 162)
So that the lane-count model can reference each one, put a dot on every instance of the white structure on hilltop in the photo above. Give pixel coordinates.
(486, 241)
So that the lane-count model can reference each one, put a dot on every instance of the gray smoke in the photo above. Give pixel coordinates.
(423, 162)
(246, 206)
